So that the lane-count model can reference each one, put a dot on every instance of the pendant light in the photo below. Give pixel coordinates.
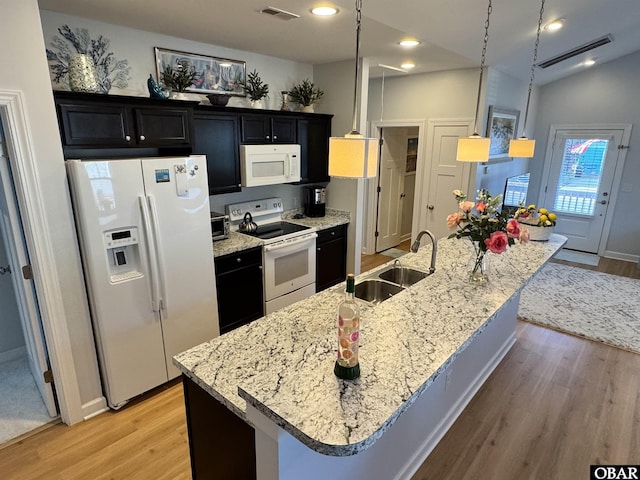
(353, 155)
(524, 147)
(476, 148)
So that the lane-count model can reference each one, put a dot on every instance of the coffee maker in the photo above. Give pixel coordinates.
(314, 201)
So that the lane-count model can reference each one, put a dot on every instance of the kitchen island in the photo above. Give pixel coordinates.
(424, 353)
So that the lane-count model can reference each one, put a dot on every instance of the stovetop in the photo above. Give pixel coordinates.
(266, 214)
(276, 229)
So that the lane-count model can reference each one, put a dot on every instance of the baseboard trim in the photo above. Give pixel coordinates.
(13, 354)
(452, 415)
(627, 257)
(94, 407)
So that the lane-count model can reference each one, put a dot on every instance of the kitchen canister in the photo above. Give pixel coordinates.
(82, 74)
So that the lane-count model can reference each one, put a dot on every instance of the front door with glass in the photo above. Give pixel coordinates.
(579, 185)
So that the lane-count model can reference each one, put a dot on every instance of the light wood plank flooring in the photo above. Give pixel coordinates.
(555, 405)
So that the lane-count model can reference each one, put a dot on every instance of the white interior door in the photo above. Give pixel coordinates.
(447, 175)
(393, 160)
(580, 182)
(25, 292)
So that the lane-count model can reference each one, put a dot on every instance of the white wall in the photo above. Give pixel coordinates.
(25, 69)
(507, 92)
(137, 46)
(344, 193)
(602, 94)
(450, 95)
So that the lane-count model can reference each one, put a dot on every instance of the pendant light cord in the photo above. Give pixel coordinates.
(484, 53)
(533, 69)
(354, 126)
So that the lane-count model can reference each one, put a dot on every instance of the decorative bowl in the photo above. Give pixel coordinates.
(218, 99)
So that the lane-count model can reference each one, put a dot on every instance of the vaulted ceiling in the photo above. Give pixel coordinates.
(451, 31)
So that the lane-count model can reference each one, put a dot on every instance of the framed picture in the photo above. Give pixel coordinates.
(213, 75)
(502, 127)
(412, 154)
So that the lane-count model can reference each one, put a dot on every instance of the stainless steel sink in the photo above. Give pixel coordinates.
(402, 276)
(374, 291)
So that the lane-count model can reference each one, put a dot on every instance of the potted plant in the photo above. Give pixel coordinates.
(178, 79)
(255, 88)
(306, 94)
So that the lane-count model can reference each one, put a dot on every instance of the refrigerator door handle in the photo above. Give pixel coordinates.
(159, 252)
(151, 255)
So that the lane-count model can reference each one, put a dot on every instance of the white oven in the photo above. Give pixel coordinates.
(288, 250)
(289, 270)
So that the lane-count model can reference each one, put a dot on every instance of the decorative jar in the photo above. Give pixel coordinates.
(82, 74)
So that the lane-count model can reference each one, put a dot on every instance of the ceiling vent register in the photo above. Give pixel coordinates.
(576, 51)
(279, 13)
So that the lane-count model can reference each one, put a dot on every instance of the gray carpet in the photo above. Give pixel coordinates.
(594, 305)
(21, 407)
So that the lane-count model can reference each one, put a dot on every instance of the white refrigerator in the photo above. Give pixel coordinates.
(145, 237)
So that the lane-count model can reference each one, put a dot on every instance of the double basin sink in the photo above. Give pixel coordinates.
(385, 284)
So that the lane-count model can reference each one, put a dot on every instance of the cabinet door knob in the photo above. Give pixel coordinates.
(275, 137)
(268, 137)
(127, 138)
(238, 260)
(430, 207)
(142, 138)
(319, 249)
(333, 233)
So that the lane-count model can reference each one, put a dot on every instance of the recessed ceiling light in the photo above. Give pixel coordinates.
(408, 65)
(324, 11)
(409, 43)
(555, 25)
(588, 63)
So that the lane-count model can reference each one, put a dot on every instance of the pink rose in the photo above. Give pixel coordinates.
(497, 242)
(513, 228)
(466, 206)
(524, 235)
(454, 219)
(481, 207)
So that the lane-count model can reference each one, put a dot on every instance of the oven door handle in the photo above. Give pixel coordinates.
(290, 243)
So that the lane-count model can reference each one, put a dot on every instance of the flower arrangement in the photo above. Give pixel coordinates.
(486, 226)
(534, 216)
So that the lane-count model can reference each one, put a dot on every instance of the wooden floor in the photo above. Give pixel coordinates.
(555, 405)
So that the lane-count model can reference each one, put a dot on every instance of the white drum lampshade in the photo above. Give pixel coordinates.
(473, 149)
(353, 157)
(523, 147)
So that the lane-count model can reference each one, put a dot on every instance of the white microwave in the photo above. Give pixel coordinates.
(269, 164)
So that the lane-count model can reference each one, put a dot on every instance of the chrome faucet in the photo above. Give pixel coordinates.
(398, 264)
(416, 245)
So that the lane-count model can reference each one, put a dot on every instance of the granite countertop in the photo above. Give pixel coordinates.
(283, 363)
(238, 242)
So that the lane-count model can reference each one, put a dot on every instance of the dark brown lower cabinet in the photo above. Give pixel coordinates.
(221, 444)
(331, 257)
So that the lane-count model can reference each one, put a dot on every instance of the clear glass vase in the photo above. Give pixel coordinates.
(478, 265)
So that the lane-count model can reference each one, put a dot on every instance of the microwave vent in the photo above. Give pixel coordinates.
(279, 13)
(576, 51)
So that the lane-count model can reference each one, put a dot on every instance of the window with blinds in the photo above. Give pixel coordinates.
(580, 175)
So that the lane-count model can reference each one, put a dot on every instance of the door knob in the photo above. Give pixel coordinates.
(604, 194)
(430, 207)
(127, 138)
(603, 202)
(142, 138)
